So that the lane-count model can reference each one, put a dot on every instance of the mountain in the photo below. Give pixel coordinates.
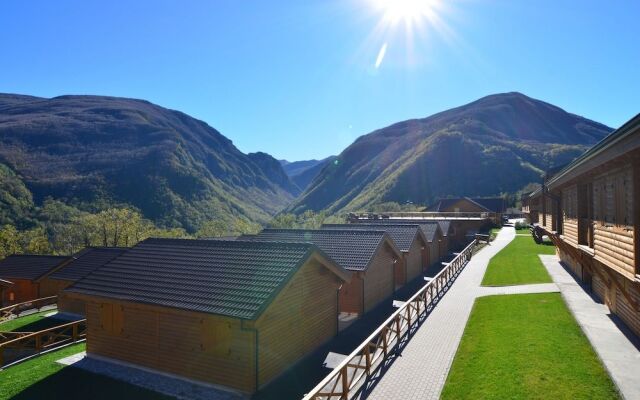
(92, 151)
(493, 145)
(303, 172)
(293, 168)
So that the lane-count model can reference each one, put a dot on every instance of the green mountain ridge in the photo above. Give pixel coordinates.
(494, 145)
(94, 151)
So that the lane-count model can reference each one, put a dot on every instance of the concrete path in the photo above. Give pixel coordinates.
(421, 370)
(616, 346)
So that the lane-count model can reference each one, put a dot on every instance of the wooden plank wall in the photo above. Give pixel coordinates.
(174, 341)
(413, 260)
(570, 214)
(302, 317)
(378, 280)
(350, 295)
(613, 212)
(53, 287)
(22, 289)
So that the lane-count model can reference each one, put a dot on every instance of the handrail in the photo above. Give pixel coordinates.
(46, 338)
(371, 354)
(15, 309)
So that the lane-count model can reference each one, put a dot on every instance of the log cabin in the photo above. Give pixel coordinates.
(234, 314)
(409, 239)
(24, 272)
(591, 211)
(371, 256)
(82, 264)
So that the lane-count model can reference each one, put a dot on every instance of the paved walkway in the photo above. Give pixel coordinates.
(616, 346)
(421, 370)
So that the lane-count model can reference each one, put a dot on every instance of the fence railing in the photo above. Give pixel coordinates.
(424, 215)
(15, 309)
(37, 342)
(346, 379)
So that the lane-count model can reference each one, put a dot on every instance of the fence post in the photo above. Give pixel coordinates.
(74, 333)
(345, 384)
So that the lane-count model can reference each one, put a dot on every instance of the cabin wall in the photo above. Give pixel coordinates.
(70, 304)
(549, 214)
(350, 295)
(570, 214)
(303, 317)
(614, 236)
(413, 260)
(203, 347)
(21, 291)
(52, 287)
(434, 251)
(379, 279)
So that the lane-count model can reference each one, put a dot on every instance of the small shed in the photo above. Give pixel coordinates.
(82, 264)
(372, 256)
(24, 271)
(409, 239)
(231, 313)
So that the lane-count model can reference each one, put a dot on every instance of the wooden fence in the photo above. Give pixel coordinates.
(37, 342)
(347, 378)
(15, 309)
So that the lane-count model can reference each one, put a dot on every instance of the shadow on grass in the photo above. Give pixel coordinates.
(41, 324)
(73, 383)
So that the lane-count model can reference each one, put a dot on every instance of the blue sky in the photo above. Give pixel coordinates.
(297, 79)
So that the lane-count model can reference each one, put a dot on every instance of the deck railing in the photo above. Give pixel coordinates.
(37, 342)
(347, 378)
(15, 309)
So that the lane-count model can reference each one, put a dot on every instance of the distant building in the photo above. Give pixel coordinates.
(231, 313)
(24, 271)
(371, 256)
(591, 210)
(82, 264)
(496, 206)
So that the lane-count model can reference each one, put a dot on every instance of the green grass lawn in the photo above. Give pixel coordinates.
(43, 378)
(31, 323)
(518, 264)
(525, 346)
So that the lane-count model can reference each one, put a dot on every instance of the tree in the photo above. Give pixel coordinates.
(35, 241)
(9, 241)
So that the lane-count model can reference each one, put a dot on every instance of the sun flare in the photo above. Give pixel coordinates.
(407, 11)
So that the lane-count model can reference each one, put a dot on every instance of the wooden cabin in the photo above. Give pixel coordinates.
(411, 242)
(235, 314)
(448, 237)
(531, 208)
(591, 211)
(371, 256)
(82, 264)
(437, 246)
(24, 272)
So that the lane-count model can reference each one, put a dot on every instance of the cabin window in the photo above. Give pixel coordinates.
(216, 337)
(112, 318)
(12, 296)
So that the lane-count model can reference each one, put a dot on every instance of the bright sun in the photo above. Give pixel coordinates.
(407, 11)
